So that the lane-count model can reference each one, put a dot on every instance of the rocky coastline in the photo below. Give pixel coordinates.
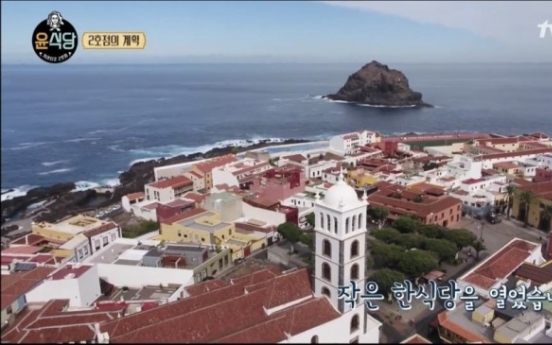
(61, 201)
(375, 84)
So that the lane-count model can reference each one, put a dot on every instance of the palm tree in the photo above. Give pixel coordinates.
(510, 190)
(526, 198)
(478, 246)
(546, 215)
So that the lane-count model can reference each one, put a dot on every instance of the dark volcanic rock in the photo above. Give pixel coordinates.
(65, 202)
(375, 84)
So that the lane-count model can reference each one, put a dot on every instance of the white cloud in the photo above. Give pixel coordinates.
(513, 23)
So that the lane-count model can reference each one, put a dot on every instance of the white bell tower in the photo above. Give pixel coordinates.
(340, 242)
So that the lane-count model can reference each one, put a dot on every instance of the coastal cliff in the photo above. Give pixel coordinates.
(63, 200)
(376, 84)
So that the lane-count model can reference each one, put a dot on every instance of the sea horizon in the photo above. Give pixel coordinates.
(95, 122)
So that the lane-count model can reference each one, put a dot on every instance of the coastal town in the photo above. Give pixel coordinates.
(258, 246)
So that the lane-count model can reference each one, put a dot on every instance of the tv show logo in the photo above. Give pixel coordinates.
(55, 40)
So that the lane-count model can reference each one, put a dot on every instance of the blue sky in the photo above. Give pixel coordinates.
(405, 32)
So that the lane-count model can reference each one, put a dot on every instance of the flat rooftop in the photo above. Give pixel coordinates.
(110, 254)
(205, 222)
(70, 272)
(73, 225)
(144, 293)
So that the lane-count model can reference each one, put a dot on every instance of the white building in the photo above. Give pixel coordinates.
(168, 190)
(340, 257)
(234, 173)
(349, 143)
(489, 160)
(465, 167)
(197, 179)
(78, 283)
(79, 246)
(542, 161)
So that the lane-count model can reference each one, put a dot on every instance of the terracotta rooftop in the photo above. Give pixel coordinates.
(135, 196)
(151, 206)
(447, 323)
(100, 229)
(500, 265)
(416, 339)
(473, 181)
(506, 165)
(298, 158)
(23, 249)
(538, 189)
(47, 259)
(538, 274)
(251, 227)
(195, 196)
(539, 135)
(30, 239)
(513, 154)
(219, 313)
(184, 215)
(70, 272)
(208, 166)
(51, 324)
(16, 284)
(173, 182)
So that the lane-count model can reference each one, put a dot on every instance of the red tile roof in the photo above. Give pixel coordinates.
(30, 239)
(24, 249)
(51, 324)
(500, 265)
(450, 325)
(70, 271)
(100, 229)
(513, 154)
(473, 181)
(173, 182)
(135, 196)
(184, 215)
(208, 166)
(198, 198)
(537, 274)
(298, 158)
(17, 284)
(228, 314)
(416, 339)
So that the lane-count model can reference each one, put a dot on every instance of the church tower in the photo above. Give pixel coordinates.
(340, 242)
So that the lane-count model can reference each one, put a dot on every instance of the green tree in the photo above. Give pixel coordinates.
(510, 191)
(430, 166)
(407, 224)
(478, 246)
(386, 278)
(432, 231)
(526, 198)
(386, 255)
(444, 249)
(379, 215)
(411, 240)
(290, 232)
(415, 263)
(461, 237)
(386, 235)
(143, 227)
(310, 218)
(546, 215)
(307, 239)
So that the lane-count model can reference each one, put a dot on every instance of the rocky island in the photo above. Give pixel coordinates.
(376, 84)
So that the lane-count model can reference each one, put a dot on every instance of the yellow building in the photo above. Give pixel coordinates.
(360, 178)
(541, 196)
(207, 228)
(67, 229)
(70, 247)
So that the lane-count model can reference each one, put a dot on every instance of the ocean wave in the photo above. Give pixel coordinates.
(324, 98)
(78, 140)
(85, 185)
(121, 129)
(49, 164)
(57, 171)
(15, 192)
(28, 145)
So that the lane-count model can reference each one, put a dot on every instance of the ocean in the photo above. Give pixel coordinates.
(85, 124)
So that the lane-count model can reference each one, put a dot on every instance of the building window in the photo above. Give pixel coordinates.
(179, 233)
(354, 272)
(220, 264)
(113, 237)
(354, 249)
(353, 223)
(322, 220)
(326, 292)
(328, 222)
(226, 261)
(359, 226)
(105, 240)
(97, 244)
(326, 271)
(202, 239)
(355, 323)
(314, 339)
(85, 250)
(327, 247)
(230, 232)
(347, 225)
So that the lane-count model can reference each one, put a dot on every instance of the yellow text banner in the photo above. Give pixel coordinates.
(114, 40)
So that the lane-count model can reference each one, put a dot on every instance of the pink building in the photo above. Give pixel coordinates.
(279, 183)
(543, 175)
